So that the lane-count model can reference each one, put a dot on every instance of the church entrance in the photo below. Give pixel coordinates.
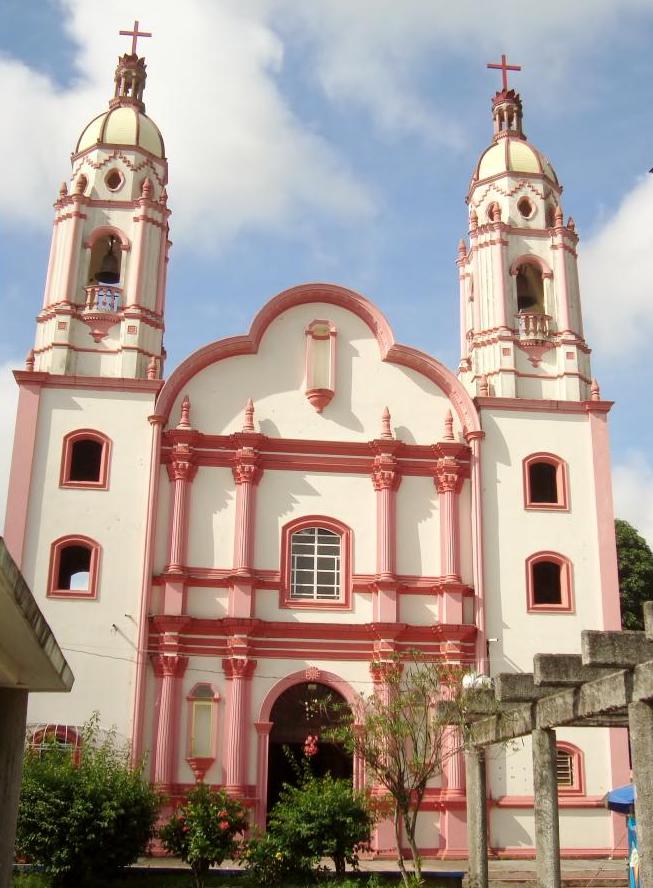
(299, 714)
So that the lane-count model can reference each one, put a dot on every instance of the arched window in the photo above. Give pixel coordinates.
(74, 566)
(53, 738)
(530, 289)
(545, 482)
(202, 733)
(85, 459)
(549, 582)
(569, 769)
(316, 563)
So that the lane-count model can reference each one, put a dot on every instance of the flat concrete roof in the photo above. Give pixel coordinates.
(30, 657)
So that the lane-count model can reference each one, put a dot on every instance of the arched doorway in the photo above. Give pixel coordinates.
(301, 710)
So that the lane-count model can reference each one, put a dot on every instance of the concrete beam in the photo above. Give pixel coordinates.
(564, 670)
(648, 619)
(519, 687)
(622, 650)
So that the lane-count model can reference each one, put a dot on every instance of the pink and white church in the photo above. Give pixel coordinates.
(290, 507)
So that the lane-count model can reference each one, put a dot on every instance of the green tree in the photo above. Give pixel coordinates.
(635, 561)
(203, 831)
(86, 814)
(399, 732)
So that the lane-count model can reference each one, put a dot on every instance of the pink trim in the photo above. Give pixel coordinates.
(22, 461)
(530, 259)
(93, 572)
(536, 405)
(105, 231)
(562, 481)
(334, 295)
(346, 558)
(605, 517)
(140, 678)
(66, 457)
(566, 583)
(116, 384)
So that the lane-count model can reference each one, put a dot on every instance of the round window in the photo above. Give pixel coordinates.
(525, 207)
(113, 180)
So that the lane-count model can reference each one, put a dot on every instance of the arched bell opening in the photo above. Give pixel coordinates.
(530, 289)
(106, 261)
(300, 717)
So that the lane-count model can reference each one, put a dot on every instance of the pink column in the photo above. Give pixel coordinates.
(181, 471)
(448, 482)
(171, 668)
(383, 836)
(499, 270)
(386, 480)
(239, 671)
(263, 730)
(247, 474)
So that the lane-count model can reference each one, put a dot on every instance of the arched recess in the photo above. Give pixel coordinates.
(332, 294)
(264, 727)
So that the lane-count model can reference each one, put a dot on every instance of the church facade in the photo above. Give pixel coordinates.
(290, 508)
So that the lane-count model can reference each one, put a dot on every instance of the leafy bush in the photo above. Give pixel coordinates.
(203, 831)
(83, 814)
(322, 817)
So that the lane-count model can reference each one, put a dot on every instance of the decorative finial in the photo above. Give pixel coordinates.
(448, 427)
(184, 421)
(63, 191)
(506, 104)
(146, 189)
(495, 212)
(503, 66)
(135, 34)
(571, 225)
(80, 184)
(29, 360)
(164, 197)
(595, 391)
(248, 421)
(152, 368)
(559, 217)
(483, 386)
(386, 430)
(462, 249)
(473, 220)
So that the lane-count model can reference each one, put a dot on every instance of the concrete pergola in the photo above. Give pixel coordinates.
(30, 660)
(610, 684)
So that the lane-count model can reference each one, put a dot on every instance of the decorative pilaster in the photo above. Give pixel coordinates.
(170, 668)
(448, 481)
(263, 730)
(499, 247)
(239, 671)
(386, 479)
(181, 471)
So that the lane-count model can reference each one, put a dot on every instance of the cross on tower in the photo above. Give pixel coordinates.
(135, 34)
(504, 67)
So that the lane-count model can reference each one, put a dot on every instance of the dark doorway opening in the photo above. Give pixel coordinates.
(304, 710)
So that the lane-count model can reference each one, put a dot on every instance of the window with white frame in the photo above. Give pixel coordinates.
(315, 564)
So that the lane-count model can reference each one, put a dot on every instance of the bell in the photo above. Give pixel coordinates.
(109, 272)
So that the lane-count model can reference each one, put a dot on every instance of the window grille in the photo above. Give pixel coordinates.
(564, 768)
(315, 555)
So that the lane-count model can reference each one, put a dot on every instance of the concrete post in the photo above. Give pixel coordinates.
(547, 827)
(13, 715)
(477, 876)
(640, 720)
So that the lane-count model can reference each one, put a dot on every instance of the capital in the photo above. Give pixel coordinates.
(170, 665)
(448, 476)
(385, 474)
(238, 667)
(182, 466)
(246, 469)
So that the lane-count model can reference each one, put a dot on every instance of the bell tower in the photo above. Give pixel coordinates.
(104, 300)
(520, 311)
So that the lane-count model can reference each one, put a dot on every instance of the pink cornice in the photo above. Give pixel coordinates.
(56, 380)
(334, 295)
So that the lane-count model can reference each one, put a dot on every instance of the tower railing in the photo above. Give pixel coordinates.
(103, 297)
(534, 326)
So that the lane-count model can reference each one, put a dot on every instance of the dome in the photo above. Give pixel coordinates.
(513, 155)
(122, 125)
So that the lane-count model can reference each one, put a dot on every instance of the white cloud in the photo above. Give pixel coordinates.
(632, 481)
(617, 271)
(8, 401)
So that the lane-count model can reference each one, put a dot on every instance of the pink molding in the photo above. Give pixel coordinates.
(605, 516)
(140, 678)
(22, 460)
(562, 482)
(566, 604)
(119, 384)
(69, 441)
(346, 558)
(56, 549)
(530, 259)
(333, 295)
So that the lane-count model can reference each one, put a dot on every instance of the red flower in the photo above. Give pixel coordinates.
(224, 824)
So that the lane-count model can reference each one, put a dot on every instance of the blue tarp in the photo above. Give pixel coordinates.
(621, 799)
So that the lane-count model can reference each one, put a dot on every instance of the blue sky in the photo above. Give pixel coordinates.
(334, 140)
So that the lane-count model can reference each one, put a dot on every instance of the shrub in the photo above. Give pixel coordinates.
(203, 830)
(84, 813)
(322, 817)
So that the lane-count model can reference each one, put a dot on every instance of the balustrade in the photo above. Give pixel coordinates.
(103, 297)
(534, 326)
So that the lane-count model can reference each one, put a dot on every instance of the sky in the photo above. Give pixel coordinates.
(334, 140)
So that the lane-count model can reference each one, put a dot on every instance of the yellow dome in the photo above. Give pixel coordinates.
(123, 125)
(513, 155)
